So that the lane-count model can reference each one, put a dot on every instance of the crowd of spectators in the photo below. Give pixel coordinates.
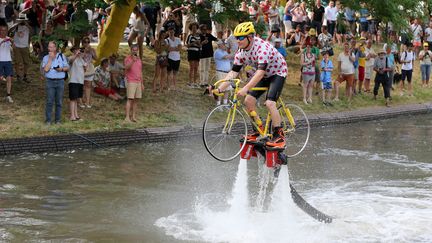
(310, 32)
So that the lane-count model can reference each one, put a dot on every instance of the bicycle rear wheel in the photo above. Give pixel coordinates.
(296, 128)
(223, 129)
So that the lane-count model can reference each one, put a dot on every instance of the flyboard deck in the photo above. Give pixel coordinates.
(274, 157)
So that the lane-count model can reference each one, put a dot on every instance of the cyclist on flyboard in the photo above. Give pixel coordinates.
(271, 71)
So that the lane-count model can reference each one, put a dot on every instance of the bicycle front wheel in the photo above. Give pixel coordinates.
(223, 130)
(296, 128)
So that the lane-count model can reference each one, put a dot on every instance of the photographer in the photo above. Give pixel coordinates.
(382, 69)
(54, 66)
(34, 9)
(6, 68)
(76, 81)
(425, 64)
(135, 85)
(21, 50)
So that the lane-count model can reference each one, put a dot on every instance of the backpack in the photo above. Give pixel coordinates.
(66, 73)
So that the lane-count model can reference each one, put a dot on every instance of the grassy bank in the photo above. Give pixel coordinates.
(25, 116)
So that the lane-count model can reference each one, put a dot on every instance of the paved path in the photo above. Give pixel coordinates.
(149, 135)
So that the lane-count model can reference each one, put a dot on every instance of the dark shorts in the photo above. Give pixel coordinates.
(407, 74)
(173, 65)
(364, 26)
(275, 84)
(6, 69)
(326, 85)
(75, 91)
(193, 55)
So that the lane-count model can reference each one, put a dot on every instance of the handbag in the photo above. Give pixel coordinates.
(162, 61)
(330, 51)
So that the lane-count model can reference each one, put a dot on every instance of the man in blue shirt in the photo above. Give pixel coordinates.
(54, 66)
(351, 19)
(279, 47)
(223, 65)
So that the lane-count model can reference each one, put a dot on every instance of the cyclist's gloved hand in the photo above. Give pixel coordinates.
(211, 91)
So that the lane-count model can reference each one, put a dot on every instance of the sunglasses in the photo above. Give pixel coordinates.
(86, 42)
(240, 38)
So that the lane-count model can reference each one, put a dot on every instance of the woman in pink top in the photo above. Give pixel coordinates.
(135, 85)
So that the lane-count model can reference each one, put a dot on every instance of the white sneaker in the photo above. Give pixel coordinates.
(88, 106)
(9, 99)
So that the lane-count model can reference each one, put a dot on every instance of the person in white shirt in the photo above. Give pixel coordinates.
(428, 34)
(407, 59)
(331, 16)
(174, 48)
(417, 32)
(21, 49)
(76, 81)
(425, 64)
(273, 16)
(370, 60)
(346, 71)
(6, 68)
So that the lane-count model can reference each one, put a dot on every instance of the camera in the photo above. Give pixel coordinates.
(82, 50)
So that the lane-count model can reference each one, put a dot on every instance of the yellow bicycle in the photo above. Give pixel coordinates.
(226, 125)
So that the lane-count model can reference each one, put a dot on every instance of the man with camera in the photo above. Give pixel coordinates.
(135, 84)
(382, 68)
(21, 49)
(54, 66)
(425, 64)
(6, 68)
(34, 9)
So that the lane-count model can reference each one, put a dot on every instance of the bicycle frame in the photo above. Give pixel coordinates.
(235, 104)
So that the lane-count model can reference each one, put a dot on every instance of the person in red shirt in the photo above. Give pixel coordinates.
(34, 9)
(59, 15)
(265, 7)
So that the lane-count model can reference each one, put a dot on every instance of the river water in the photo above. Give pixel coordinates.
(373, 178)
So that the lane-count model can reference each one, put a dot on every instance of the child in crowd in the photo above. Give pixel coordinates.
(308, 73)
(326, 84)
(76, 81)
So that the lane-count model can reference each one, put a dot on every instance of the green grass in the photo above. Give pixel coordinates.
(25, 117)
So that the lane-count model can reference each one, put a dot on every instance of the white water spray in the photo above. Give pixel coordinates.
(242, 222)
(239, 203)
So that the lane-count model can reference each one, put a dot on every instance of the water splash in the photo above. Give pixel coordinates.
(239, 203)
(239, 221)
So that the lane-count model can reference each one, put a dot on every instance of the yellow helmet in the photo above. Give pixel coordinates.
(244, 29)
